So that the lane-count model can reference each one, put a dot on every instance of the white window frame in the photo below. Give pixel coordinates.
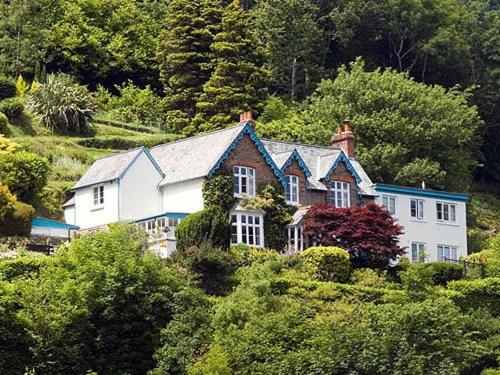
(98, 196)
(389, 202)
(243, 181)
(415, 251)
(448, 212)
(447, 253)
(292, 190)
(247, 228)
(419, 209)
(340, 194)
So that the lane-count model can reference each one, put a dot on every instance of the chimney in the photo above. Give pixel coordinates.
(344, 139)
(247, 117)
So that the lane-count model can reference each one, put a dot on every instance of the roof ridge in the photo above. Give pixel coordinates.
(294, 143)
(120, 153)
(199, 135)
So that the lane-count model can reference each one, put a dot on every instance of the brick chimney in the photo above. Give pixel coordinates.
(344, 139)
(247, 117)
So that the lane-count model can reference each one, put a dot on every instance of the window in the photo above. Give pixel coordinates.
(447, 253)
(247, 229)
(173, 222)
(98, 196)
(292, 190)
(244, 181)
(389, 203)
(417, 252)
(340, 194)
(417, 209)
(446, 212)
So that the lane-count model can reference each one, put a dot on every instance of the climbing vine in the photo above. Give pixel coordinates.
(218, 191)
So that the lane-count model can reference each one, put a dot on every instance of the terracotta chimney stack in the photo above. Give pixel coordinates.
(344, 139)
(246, 116)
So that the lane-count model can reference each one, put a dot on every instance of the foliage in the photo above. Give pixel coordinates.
(480, 293)
(7, 201)
(237, 83)
(18, 221)
(329, 263)
(218, 191)
(212, 267)
(4, 121)
(63, 104)
(7, 88)
(369, 233)
(368, 277)
(210, 225)
(22, 267)
(114, 142)
(25, 173)
(21, 86)
(246, 255)
(277, 216)
(185, 66)
(488, 258)
(443, 272)
(7, 146)
(12, 108)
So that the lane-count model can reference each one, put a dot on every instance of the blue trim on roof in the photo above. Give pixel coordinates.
(95, 183)
(150, 157)
(343, 157)
(41, 222)
(247, 129)
(172, 215)
(297, 157)
(421, 192)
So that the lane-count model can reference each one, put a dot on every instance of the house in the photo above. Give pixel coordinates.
(157, 188)
(47, 228)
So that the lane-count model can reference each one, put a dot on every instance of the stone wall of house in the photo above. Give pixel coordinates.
(246, 154)
(343, 174)
(295, 169)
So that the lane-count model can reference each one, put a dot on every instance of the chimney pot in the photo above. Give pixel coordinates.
(347, 125)
(246, 116)
(344, 139)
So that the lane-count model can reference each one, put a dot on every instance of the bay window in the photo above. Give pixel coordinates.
(247, 228)
(292, 190)
(340, 194)
(244, 181)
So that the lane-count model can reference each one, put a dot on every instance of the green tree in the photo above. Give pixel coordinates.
(185, 55)
(295, 44)
(238, 80)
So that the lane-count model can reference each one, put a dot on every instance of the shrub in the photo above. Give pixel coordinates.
(330, 263)
(218, 191)
(7, 146)
(7, 201)
(4, 121)
(7, 88)
(209, 225)
(480, 293)
(13, 108)
(368, 277)
(25, 173)
(442, 272)
(212, 267)
(63, 104)
(22, 267)
(246, 255)
(130, 142)
(18, 221)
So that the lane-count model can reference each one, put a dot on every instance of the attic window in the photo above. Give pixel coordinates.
(98, 196)
(244, 181)
(340, 194)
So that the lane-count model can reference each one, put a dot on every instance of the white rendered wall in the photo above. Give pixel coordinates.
(429, 231)
(69, 215)
(139, 193)
(87, 216)
(184, 197)
(50, 232)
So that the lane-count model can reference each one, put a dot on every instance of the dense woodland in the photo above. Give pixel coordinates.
(420, 82)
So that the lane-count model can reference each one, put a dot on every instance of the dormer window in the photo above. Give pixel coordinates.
(98, 196)
(340, 194)
(292, 190)
(244, 181)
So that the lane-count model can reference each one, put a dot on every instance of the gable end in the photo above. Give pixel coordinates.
(343, 158)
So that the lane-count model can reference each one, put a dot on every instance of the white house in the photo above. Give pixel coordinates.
(158, 188)
(434, 221)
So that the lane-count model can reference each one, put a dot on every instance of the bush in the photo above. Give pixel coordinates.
(368, 277)
(25, 173)
(4, 121)
(13, 108)
(7, 88)
(246, 255)
(330, 263)
(474, 294)
(7, 146)
(63, 104)
(218, 191)
(22, 267)
(442, 272)
(18, 221)
(211, 225)
(118, 143)
(212, 267)
(7, 201)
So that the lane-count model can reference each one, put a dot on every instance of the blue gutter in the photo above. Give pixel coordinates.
(383, 188)
(41, 222)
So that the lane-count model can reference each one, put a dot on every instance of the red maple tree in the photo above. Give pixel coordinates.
(369, 233)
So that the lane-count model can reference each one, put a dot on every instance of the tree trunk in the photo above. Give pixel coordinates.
(294, 80)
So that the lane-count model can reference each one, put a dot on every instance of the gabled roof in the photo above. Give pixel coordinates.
(321, 162)
(285, 159)
(204, 154)
(112, 167)
(70, 202)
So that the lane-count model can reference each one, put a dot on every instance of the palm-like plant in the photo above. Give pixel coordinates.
(62, 104)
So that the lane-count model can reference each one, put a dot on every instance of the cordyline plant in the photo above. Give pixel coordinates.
(369, 234)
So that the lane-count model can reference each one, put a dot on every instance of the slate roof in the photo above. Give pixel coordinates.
(193, 157)
(319, 159)
(70, 202)
(108, 168)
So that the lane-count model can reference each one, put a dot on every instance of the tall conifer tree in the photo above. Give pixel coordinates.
(238, 82)
(185, 55)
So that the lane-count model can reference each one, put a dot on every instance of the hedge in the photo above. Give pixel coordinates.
(329, 263)
(12, 108)
(18, 222)
(4, 121)
(20, 267)
(7, 88)
(480, 293)
(121, 143)
(443, 272)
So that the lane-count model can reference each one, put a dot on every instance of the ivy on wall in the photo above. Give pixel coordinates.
(218, 191)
